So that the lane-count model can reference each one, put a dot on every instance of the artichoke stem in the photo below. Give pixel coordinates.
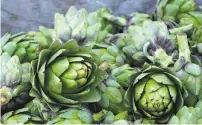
(181, 29)
(184, 50)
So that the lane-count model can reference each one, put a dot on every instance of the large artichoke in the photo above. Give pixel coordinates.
(190, 73)
(20, 116)
(86, 28)
(66, 75)
(14, 80)
(188, 115)
(155, 94)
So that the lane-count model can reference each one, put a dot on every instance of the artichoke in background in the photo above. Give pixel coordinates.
(72, 116)
(14, 82)
(109, 54)
(188, 115)
(113, 90)
(86, 28)
(66, 75)
(20, 116)
(147, 42)
(155, 94)
(189, 73)
(126, 21)
(20, 44)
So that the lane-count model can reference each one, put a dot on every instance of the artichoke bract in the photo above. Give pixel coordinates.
(73, 116)
(66, 75)
(188, 115)
(155, 94)
(20, 116)
(14, 81)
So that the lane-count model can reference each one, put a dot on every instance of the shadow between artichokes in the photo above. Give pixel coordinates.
(155, 94)
(66, 75)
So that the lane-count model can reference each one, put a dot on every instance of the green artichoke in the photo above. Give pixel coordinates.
(189, 73)
(181, 11)
(113, 89)
(66, 75)
(109, 54)
(14, 80)
(73, 116)
(20, 44)
(86, 28)
(20, 116)
(155, 94)
(188, 115)
(147, 42)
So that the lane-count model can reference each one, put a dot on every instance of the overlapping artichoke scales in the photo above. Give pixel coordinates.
(20, 116)
(73, 116)
(66, 74)
(114, 88)
(149, 41)
(155, 94)
(86, 28)
(188, 115)
(14, 82)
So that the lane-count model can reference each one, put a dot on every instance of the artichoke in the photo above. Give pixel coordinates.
(190, 73)
(86, 28)
(155, 94)
(21, 45)
(109, 54)
(73, 116)
(188, 115)
(147, 42)
(66, 75)
(20, 116)
(113, 90)
(14, 81)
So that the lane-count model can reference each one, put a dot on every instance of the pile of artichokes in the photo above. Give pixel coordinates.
(97, 68)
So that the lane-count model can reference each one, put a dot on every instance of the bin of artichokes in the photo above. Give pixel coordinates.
(155, 94)
(14, 81)
(66, 75)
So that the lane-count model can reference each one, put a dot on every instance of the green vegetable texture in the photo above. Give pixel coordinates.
(101, 68)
